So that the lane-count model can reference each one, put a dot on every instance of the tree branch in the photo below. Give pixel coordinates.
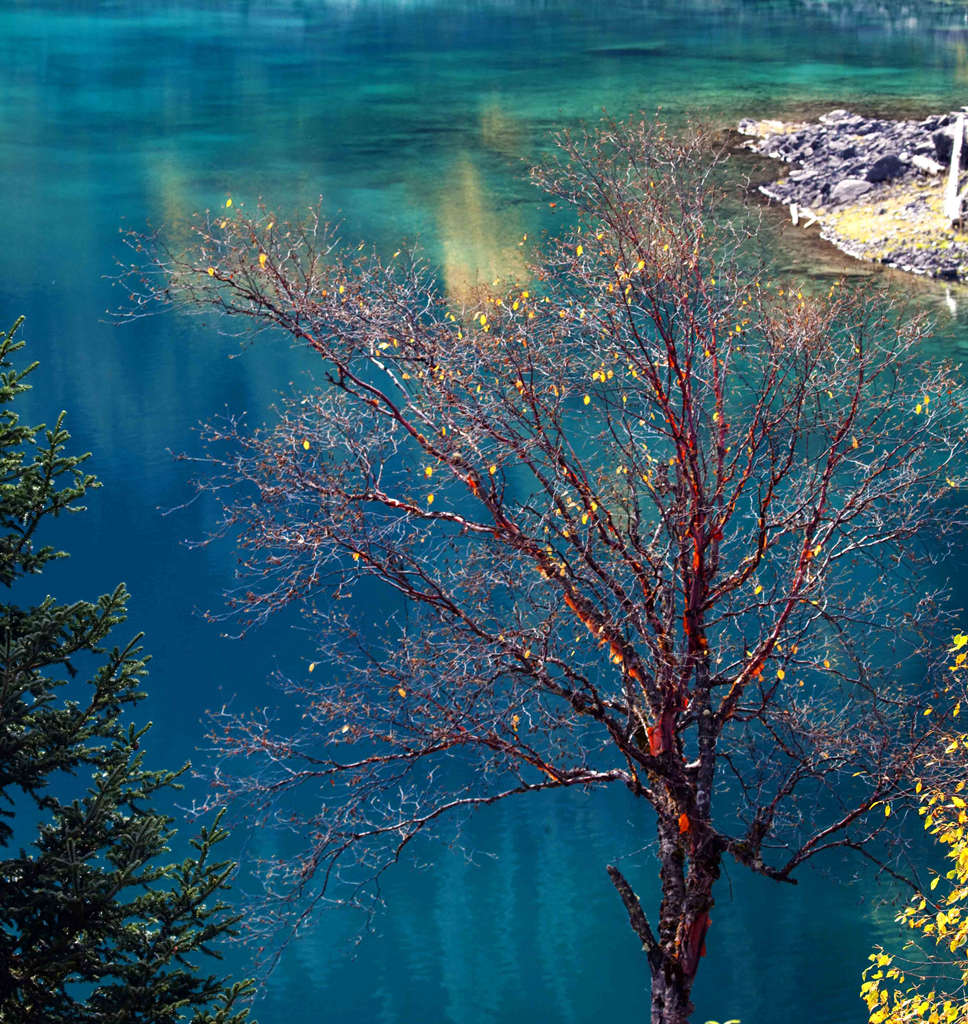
(637, 918)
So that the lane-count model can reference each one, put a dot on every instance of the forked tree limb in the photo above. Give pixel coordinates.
(637, 918)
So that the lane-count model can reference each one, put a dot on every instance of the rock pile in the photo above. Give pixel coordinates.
(875, 186)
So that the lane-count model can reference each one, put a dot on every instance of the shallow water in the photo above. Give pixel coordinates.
(411, 119)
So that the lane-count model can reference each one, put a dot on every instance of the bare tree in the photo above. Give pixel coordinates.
(656, 523)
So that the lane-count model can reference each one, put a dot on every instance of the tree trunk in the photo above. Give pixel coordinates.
(670, 997)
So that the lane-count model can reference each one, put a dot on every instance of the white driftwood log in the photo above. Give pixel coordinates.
(952, 198)
(802, 214)
(927, 165)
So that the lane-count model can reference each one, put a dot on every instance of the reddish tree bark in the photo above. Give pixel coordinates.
(628, 503)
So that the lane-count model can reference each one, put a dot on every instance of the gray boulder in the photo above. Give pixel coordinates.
(848, 190)
(944, 140)
(887, 167)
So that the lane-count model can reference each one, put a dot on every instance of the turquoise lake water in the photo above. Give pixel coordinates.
(412, 119)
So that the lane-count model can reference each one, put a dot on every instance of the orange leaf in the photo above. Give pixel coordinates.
(683, 823)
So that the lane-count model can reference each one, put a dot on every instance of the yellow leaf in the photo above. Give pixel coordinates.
(306, 445)
(401, 691)
(228, 202)
(262, 259)
(492, 470)
(312, 666)
(854, 443)
(934, 881)
(428, 471)
(211, 271)
(579, 250)
(586, 399)
(430, 499)
(780, 674)
(757, 589)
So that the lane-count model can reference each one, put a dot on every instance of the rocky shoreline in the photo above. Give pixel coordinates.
(874, 187)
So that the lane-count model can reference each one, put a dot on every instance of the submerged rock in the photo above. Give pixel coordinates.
(873, 186)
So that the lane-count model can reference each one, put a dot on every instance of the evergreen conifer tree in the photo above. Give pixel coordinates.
(96, 925)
